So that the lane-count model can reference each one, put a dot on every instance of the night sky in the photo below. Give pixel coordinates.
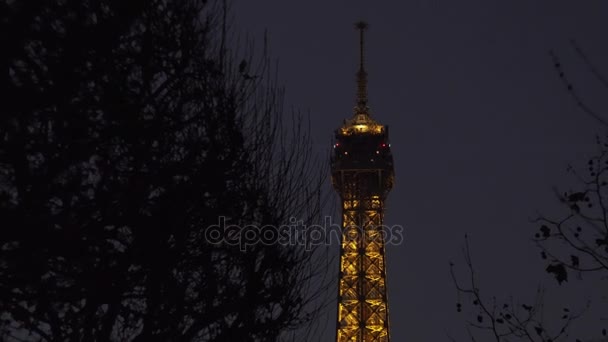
(481, 130)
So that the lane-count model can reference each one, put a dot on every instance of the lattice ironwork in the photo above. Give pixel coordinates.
(362, 298)
(362, 174)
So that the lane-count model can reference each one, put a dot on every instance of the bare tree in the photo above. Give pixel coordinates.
(576, 242)
(506, 319)
(583, 230)
(130, 132)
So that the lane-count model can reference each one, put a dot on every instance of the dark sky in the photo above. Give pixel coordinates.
(481, 128)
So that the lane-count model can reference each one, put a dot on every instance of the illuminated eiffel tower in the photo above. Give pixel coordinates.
(362, 174)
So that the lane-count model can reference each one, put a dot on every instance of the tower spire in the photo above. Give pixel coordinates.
(361, 107)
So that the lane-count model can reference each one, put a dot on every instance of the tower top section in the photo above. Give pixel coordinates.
(361, 122)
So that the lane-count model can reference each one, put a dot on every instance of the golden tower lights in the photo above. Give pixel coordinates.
(362, 174)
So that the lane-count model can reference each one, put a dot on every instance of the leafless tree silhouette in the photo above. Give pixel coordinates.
(130, 128)
(576, 242)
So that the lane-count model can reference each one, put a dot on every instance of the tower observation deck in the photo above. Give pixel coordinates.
(362, 174)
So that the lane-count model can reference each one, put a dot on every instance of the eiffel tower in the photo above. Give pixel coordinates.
(362, 174)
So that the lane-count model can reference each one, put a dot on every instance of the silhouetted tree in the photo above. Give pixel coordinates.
(130, 128)
(507, 319)
(583, 230)
(576, 242)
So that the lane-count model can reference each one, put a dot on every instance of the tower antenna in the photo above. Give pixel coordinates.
(361, 74)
